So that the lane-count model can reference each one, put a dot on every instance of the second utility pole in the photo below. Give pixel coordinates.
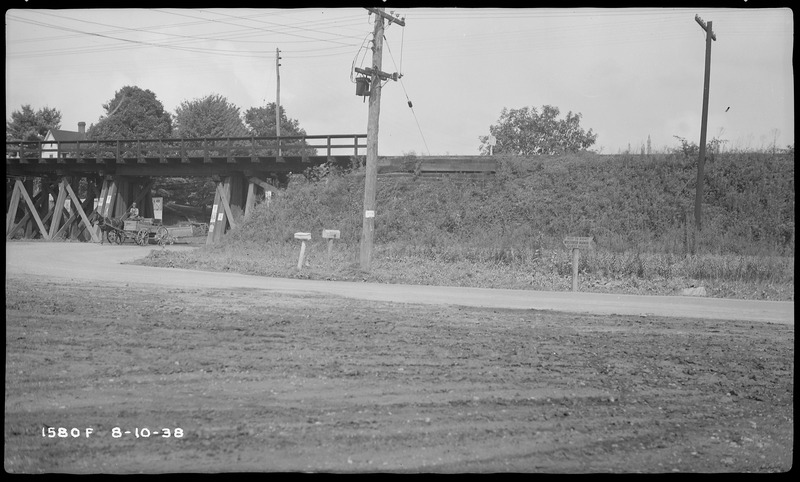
(698, 198)
(278, 99)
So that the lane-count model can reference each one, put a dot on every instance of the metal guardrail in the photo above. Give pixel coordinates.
(208, 147)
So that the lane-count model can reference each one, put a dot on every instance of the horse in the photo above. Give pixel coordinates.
(105, 224)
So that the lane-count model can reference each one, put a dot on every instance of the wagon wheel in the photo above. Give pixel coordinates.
(142, 236)
(113, 237)
(162, 236)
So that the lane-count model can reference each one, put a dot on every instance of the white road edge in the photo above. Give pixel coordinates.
(97, 263)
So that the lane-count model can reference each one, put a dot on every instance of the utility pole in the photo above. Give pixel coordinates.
(278, 99)
(698, 199)
(371, 178)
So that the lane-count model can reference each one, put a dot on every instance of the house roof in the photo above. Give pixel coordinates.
(60, 135)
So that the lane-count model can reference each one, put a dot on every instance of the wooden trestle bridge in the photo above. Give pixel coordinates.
(120, 172)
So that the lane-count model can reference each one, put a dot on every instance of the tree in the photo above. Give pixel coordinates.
(526, 132)
(211, 116)
(133, 113)
(261, 122)
(29, 125)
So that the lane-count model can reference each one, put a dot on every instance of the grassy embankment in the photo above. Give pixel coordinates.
(507, 231)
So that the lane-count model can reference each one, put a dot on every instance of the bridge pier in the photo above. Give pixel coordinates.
(233, 202)
(30, 212)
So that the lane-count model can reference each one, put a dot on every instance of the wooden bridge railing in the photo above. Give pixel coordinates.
(206, 148)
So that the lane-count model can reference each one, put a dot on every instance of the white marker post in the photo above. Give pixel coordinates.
(330, 235)
(576, 244)
(158, 209)
(303, 237)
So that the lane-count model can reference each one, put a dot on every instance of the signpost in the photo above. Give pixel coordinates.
(576, 244)
(158, 209)
(303, 237)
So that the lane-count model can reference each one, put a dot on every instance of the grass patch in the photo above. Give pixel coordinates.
(507, 232)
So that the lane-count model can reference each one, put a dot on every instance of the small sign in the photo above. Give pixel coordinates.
(492, 140)
(158, 208)
(369, 214)
(303, 236)
(575, 242)
(331, 233)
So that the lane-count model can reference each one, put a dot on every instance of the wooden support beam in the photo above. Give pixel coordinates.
(33, 213)
(101, 201)
(77, 203)
(123, 193)
(78, 227)
(264, 185)
(250, 202)
(30, 215)
(140, 196)
(212, 223)
(13, 205)
(224, 195)
(59, 207)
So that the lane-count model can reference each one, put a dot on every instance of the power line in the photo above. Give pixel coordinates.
(174, 45)
(116, 29)
(410, 104)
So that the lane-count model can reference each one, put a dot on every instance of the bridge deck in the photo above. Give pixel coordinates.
(155, 166)
(181, 157)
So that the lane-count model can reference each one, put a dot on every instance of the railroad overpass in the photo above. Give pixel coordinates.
(120, 172)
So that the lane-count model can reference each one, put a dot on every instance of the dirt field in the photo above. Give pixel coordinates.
(259, 381)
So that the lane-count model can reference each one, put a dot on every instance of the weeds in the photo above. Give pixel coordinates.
(508, 231)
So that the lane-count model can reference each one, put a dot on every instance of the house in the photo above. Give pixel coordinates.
(54, 136)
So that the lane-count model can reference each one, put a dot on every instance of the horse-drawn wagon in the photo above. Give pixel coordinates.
(141, 231)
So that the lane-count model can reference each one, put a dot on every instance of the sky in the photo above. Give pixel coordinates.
(632, 73)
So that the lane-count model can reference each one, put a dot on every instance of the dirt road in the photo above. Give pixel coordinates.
(236, 373)
(86, 261)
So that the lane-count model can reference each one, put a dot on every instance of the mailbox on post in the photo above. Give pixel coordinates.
(330, 235)
(303, 237)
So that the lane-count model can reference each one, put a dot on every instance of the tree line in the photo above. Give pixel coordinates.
(136, 113)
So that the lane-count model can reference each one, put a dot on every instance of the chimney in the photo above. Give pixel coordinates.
(82, 129)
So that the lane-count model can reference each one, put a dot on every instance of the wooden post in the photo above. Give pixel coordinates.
(120, 200)
(576, 254)
(29, 223)
(698, 199)
(278, 100)
(250, 202)
(371, 176)
(220, 213)
(303, 237)
(302, 255)
(33, 213)
(212, 223)
(330, 235)
(575, 244)
(11, 216)
(58, 209)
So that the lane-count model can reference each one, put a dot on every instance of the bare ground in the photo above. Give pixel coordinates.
(261, 381)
